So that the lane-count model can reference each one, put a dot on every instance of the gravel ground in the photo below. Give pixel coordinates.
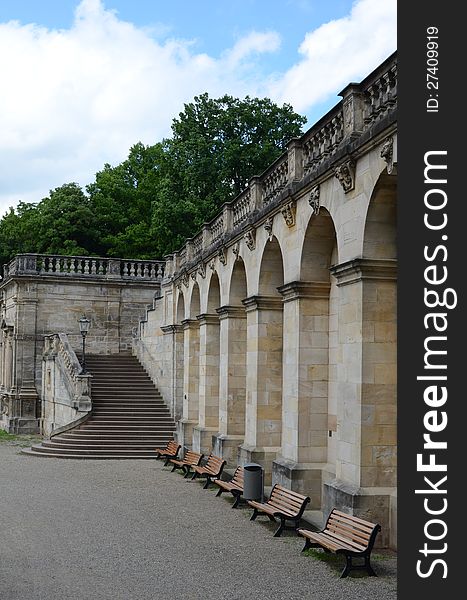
(132, 530)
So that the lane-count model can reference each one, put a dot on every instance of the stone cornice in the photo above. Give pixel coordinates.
(360, 269)
(175, 328)
(231, 312)
(190, 324)
(305, 289)
(262, 303)
(208, 319)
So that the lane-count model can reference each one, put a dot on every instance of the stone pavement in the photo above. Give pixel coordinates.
(131, 530)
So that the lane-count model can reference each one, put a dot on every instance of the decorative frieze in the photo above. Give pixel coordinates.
(387, 153)
(249, 238)
(313, 200)
(222, 255)
(345, 173)
(268, 226)
(288, 212)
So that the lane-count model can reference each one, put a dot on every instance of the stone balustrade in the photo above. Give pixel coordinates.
(66, 392)
(362, 106)
(84, 266)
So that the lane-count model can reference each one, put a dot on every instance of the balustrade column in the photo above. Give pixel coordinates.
(232, 382)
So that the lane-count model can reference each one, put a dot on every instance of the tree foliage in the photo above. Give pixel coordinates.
(149, 204)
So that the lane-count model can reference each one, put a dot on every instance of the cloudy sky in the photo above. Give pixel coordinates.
(82, 81)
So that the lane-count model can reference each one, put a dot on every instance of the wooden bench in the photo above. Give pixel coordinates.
(191, 458)
(345, 534)
(282, 503)
(234, 486)
(170, 451)
(211, 470)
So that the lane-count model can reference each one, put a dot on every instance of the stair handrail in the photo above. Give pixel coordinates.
(78, 385)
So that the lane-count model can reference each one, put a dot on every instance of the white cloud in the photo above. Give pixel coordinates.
(74, 99)
(339, 52)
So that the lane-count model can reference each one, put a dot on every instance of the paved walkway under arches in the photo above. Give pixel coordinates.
(131, 530)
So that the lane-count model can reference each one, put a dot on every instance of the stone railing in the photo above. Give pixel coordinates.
(84, 266)
(66, 392)
(363, 105)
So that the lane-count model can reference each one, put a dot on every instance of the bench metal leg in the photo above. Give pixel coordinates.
(206, 485)
(254, 515)
(348, 566)
(173, 468)
(369, 568)
(187, 471)
(237, 500)
(279, 530)
(219, 492)
(194, 475)
(307, 545)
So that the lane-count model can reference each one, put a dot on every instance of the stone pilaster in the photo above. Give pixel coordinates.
(367, 433)
(176, 332)
(232, 382)
(305, 388)
(208, 422)
(263, 428)
(190, 413)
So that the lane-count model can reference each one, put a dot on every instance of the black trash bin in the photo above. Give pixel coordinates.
(253, 482)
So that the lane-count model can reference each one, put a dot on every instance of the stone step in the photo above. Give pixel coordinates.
(96, 451)
(103, 441)
(43, 453)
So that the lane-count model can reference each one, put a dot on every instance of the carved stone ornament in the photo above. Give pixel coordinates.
(314, 199)
(249, 238)
(4, 405)
(345, 173)
(193, 275)
(387, 153)
(222, 256)
(202, 269)
(185, 279)
(268, 227)
(212, 265)
(179, 285)
(236, 250)
(288, 212)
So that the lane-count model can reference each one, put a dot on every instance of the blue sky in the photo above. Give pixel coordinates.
(84, 80)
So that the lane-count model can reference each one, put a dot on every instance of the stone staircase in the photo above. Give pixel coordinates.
(128, 420)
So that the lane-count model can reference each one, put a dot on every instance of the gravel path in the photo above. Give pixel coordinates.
(132, 530)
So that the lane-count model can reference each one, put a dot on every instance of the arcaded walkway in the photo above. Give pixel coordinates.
(131, 530)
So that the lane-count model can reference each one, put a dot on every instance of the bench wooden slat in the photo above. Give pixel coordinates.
(234, 486)
(212, 469)
(282, 503)
(346, 534)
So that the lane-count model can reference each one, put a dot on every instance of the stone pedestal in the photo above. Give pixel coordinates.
(262, 456)
(304, 478)
(184, 433)
(227, 447)
(202, 439)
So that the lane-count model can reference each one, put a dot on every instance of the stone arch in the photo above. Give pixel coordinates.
(380, 235)
(307, 368)
(195, 301)
(271, 272)
(264, 362)
(232, 380)
(209, 344)
(238, 284)
(180, 312)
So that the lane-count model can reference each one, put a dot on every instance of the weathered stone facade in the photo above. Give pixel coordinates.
(42, 295)
(274, 339)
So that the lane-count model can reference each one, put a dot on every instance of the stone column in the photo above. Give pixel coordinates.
(367, 432)
(232, 382)
(208, 424)
(190, 383)
(263, 426)
(305, 389)
(25, 413)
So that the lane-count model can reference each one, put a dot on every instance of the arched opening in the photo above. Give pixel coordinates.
(264, 359)
(307, 367)
(208, 370)
(191, 368)
(180, 308)
(232, 382)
